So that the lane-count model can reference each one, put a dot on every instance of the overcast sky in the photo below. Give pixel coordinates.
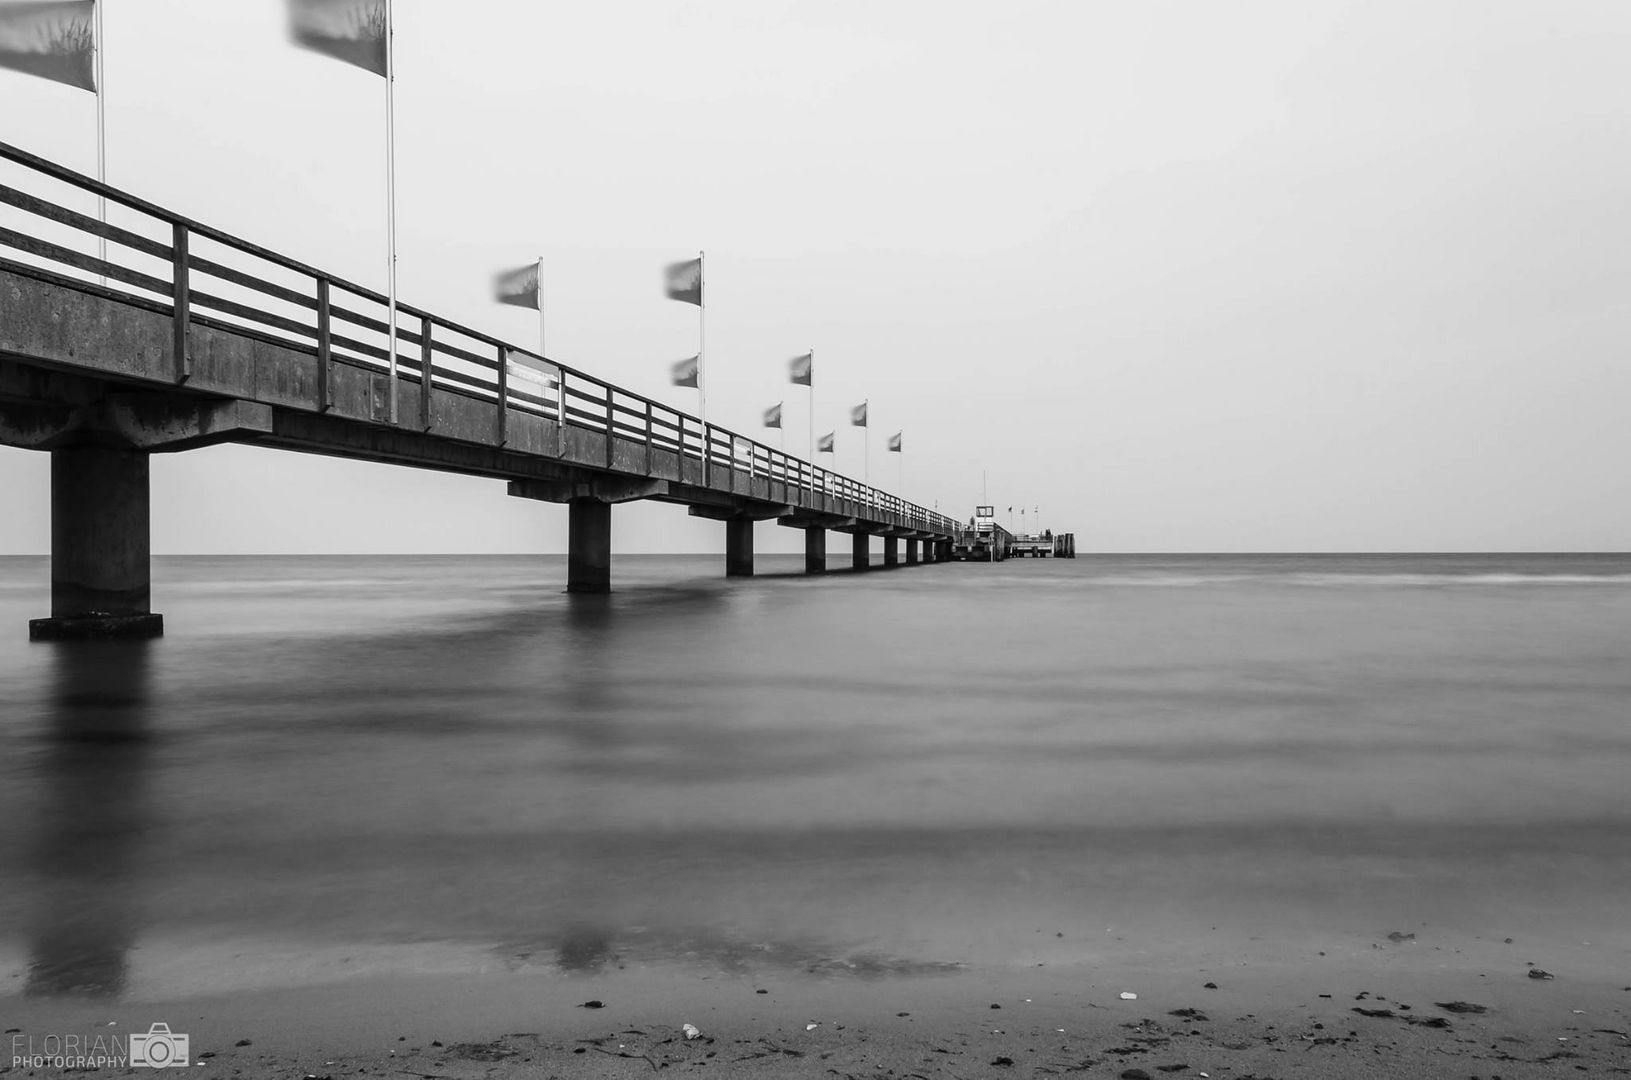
(1195, 276)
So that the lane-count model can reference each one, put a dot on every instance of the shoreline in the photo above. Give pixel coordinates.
(1258, 1019)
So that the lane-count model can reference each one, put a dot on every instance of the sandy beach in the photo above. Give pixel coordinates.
(1428, 1006)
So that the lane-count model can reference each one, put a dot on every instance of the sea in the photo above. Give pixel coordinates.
(333, 768)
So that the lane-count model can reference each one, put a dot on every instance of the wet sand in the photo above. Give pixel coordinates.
(1431, 1008)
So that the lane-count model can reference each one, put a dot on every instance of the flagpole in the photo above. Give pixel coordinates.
(101, 139)
(702, 348)
(390, 192)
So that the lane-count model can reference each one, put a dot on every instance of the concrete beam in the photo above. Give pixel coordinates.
(815, 551)
(589, 546)
(161, 423)
(815, 519)
(603, 489)
(744, 511)
(739, 547)
(101, 569)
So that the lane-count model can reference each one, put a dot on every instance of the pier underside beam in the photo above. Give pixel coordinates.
(101, 567)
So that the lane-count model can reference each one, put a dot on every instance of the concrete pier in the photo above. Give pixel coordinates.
(861, 551)
(911, 551)
(815, 551)
(891, 551)
(739, 547)
(589, 546)
(101, 567)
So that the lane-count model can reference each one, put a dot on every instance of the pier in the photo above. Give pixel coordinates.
(185, 336)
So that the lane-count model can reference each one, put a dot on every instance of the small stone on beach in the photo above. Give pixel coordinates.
(1128, 995)
(1537, 973)
(594, 1003)
(1210, 986)
(1398, 936)
(1461, 1007)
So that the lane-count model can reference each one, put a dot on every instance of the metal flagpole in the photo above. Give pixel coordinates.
(101, 137)
(702, 343)
(390, 191)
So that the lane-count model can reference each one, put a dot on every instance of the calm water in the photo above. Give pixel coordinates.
(337, 765)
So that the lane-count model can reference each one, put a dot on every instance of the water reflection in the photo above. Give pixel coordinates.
(94, 811)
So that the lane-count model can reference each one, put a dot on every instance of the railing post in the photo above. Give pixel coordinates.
(503, 395)
(427, 370)
(181, 293)
(325, 350)
(648, 438)
(707, 456)
(610, 418)
(560, 417)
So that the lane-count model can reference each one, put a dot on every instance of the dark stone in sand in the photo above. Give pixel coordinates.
(1373, 1012)
(1003, 1061)
(1397, 936)
(756, 991)
(1190, 1014)
(897, 1014)
(1537, 973)
(1135, 1074)
(1325, 995)
(595, 1003)
(1428, 1021)
(1461, 1007)
(994, 1005)
(1210, 986)
(243, 1042)
(578, 1049)
(1171, 1068)
(436, 1042)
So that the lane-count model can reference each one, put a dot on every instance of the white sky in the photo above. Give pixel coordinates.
(1192, 276)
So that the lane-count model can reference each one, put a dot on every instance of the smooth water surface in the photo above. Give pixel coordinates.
(334, 765)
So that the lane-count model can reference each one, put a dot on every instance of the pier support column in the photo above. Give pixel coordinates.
(911, 552)
(589, 546)
(101, 572)
(815, 551)
(861, 550)
(891, 551)
(739, 547)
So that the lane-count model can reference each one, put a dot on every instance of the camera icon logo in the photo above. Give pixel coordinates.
(159, 1048)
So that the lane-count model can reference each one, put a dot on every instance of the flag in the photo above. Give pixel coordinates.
(352, 31)
(799, 369)
(824, 444)
(54, 40)
(773, 415)
(894, 441)
(683, 281)
(685, 372)
(857, 415)
(518, 287)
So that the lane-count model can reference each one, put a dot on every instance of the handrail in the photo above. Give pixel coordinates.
(690, 436)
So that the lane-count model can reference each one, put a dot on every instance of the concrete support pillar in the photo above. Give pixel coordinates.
(589, 546)
(911, 552)
(891, 551)
(738, 547)
(815, 551)
(861, 548)
(101, 572)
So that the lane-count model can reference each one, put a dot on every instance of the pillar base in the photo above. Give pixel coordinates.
(96, 627)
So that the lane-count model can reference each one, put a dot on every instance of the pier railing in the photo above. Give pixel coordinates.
(204, 275)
